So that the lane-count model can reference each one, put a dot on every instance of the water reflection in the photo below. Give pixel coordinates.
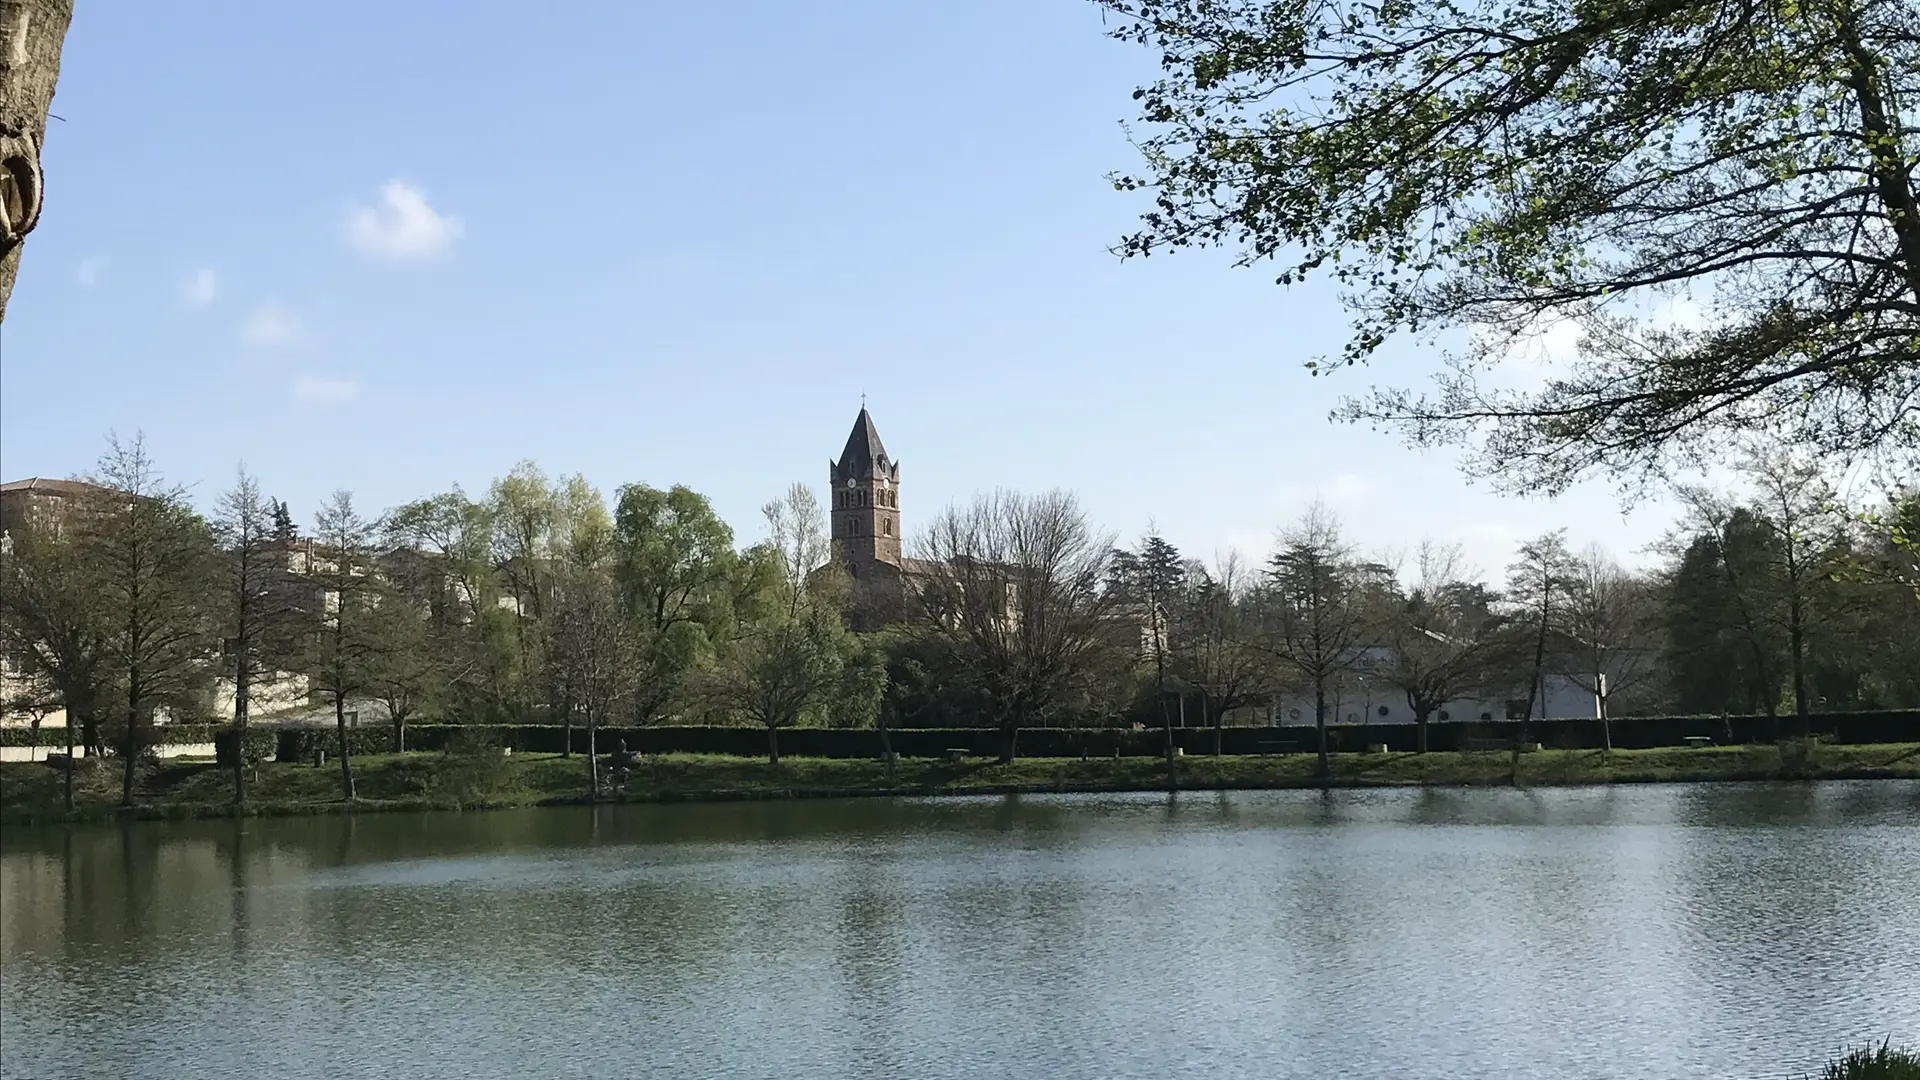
(1623, 932)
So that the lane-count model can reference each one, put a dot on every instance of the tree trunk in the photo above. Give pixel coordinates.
(1797, 637)
(340, 730)
(593, 755)
(1323, 768)
(1606, 724)
(130, 742)
(1009, 736)
(241, 699)
(773, 745)
(566, 729)
(399, 730)
(1420, 718)
(886, 745)
(70, 762)
(32, 33)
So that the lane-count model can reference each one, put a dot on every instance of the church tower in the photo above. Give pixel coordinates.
(866, 500)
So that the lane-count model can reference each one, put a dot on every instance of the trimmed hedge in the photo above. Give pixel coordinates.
(158, 735)
(1628, 734)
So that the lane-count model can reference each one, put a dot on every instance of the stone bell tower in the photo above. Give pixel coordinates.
(866, 500)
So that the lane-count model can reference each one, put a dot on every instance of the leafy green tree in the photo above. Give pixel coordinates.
(462, 588)
(1539, 582)
(791, 659)
(1506, 167)
(1151, 579)
(677, 571)
(53, 629)
(406, 669)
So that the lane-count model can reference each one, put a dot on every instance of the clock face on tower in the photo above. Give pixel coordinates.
(852, 483)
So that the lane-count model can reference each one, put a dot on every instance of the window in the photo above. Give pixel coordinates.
(886, 527)
(1445, 716)
(1384, 710)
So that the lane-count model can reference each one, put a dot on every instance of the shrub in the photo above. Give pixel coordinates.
(1883, 1062)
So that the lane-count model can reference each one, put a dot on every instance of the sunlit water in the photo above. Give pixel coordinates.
(1684, 931)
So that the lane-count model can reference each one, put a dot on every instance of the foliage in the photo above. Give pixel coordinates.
(1017, 603)
(1883, 1062)
(678, 577)
(148, 562)
(345, 648)
(1507, 167)
(1444, 636)
(253, 609)
(1316, 607)
(792, 660)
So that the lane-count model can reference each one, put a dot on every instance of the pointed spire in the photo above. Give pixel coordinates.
(864, 456)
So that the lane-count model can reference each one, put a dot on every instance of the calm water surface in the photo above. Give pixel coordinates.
(1685, 931)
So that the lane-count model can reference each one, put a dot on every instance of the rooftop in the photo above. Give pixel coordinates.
(47, 486)
(864, 452)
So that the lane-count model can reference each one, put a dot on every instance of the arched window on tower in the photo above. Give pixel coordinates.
(886, 527)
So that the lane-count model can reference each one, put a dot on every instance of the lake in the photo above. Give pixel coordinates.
(1740, 930)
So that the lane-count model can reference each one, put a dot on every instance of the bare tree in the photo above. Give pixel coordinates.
(582, 545)
(250, 610)
(150, 555)
(345, 648)
(1802, 511)
(1315, 610)
(594, 651)
(1443, 635)
(32, 34)
(1216, 642)
(1607, 632)
(1013, 586)
(799, 545)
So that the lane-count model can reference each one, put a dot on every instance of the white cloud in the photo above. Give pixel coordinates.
(90, 269)
(320, 390)
(403, 226)
(201, 289)
(270, 325)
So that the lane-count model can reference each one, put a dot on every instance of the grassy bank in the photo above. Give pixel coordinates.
(429, 781)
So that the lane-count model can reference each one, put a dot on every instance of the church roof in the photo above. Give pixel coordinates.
(863, 448)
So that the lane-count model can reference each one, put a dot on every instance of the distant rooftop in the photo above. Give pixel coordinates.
(50, 486)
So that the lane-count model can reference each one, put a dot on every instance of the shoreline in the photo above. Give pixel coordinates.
(431, 782)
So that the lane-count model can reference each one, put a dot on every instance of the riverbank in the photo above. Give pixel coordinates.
(31, 793)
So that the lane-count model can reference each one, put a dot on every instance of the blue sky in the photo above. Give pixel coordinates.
(394, 247)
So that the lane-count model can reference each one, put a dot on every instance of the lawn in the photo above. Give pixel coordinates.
(32, 792)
